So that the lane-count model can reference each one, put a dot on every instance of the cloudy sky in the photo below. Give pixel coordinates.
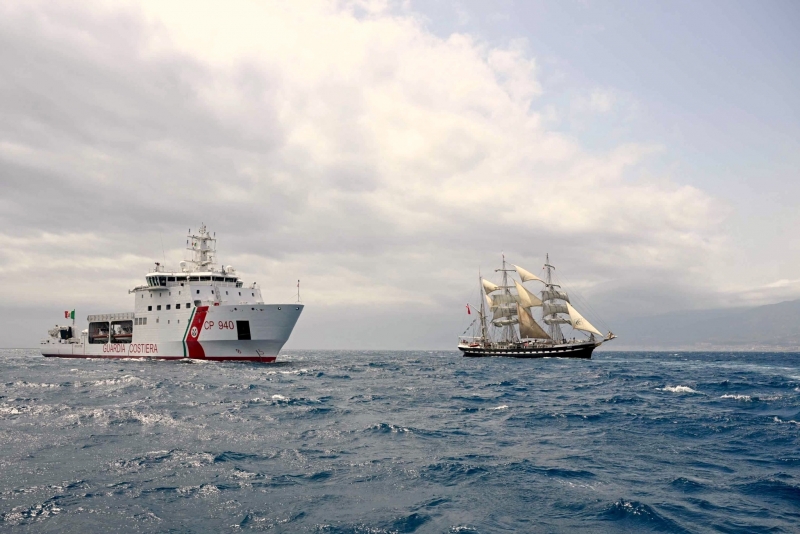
(383, 152)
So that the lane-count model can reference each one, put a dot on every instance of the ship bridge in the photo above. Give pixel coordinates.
(171, 294)
(172, 279)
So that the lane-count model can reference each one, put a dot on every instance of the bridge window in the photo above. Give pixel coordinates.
(170, 279)
(194, 278)
(149, 308)
(177, 306)
(158, 307)
(188, 305)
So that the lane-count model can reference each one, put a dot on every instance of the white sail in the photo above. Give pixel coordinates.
(489, 301)
(488, 286)
(505, 322)
(526, 298)
(503, 299)
(556, 320)
(503, 311)
(549, 308)
(528, 328)
(579, 323)
(526, 276)
(552, 294)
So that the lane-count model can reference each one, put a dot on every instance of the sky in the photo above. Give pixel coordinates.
(385, 152)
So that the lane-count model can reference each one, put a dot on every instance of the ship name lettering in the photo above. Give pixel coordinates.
(144, 348)
(114, 347)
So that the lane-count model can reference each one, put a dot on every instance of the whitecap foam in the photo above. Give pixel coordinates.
(789, 422)
(503, 407)
(279, 398)
(679, 389)
(745, 398)
(10, 410)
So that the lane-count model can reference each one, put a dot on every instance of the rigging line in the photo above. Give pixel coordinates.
(586, 303)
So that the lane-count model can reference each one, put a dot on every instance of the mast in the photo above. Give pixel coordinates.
(554, 328)
(484, 338)
(509, 333)
(204, 248)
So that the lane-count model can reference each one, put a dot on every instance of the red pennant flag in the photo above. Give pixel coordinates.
(66, 315)
(469, 312)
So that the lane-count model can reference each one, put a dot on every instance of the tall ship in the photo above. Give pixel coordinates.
(197, 312)
(512, 330)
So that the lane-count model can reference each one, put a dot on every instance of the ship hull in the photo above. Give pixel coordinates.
(581, 351)
(204, 333)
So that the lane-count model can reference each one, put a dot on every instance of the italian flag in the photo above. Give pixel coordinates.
(69, 315)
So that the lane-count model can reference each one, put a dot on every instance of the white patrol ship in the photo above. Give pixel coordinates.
(200, 312)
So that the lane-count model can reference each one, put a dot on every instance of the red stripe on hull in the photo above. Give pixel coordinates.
(193, 332)
(264, 359)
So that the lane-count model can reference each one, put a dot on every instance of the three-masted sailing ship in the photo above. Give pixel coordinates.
(512, 330)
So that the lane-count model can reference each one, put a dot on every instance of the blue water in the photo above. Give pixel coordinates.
(373, 442)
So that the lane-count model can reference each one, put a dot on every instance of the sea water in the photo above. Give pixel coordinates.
(373, 442)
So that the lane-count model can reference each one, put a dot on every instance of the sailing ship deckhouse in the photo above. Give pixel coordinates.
(506, 326)
(196, 312)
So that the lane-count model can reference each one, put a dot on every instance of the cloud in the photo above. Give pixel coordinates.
(337, 142)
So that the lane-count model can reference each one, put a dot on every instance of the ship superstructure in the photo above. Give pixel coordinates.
(512, 329)
(199, 311)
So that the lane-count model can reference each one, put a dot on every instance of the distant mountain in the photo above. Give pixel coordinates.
(774, 327)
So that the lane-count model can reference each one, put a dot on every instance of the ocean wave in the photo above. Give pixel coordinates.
(124, 380)
(641, 517)
(21, 515)
(34, 410)
(121, 416)
(177, 458)
(773, 488)
(790, 422)
(39, 385)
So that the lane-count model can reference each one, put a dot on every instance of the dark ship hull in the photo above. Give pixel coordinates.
(566, 350)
